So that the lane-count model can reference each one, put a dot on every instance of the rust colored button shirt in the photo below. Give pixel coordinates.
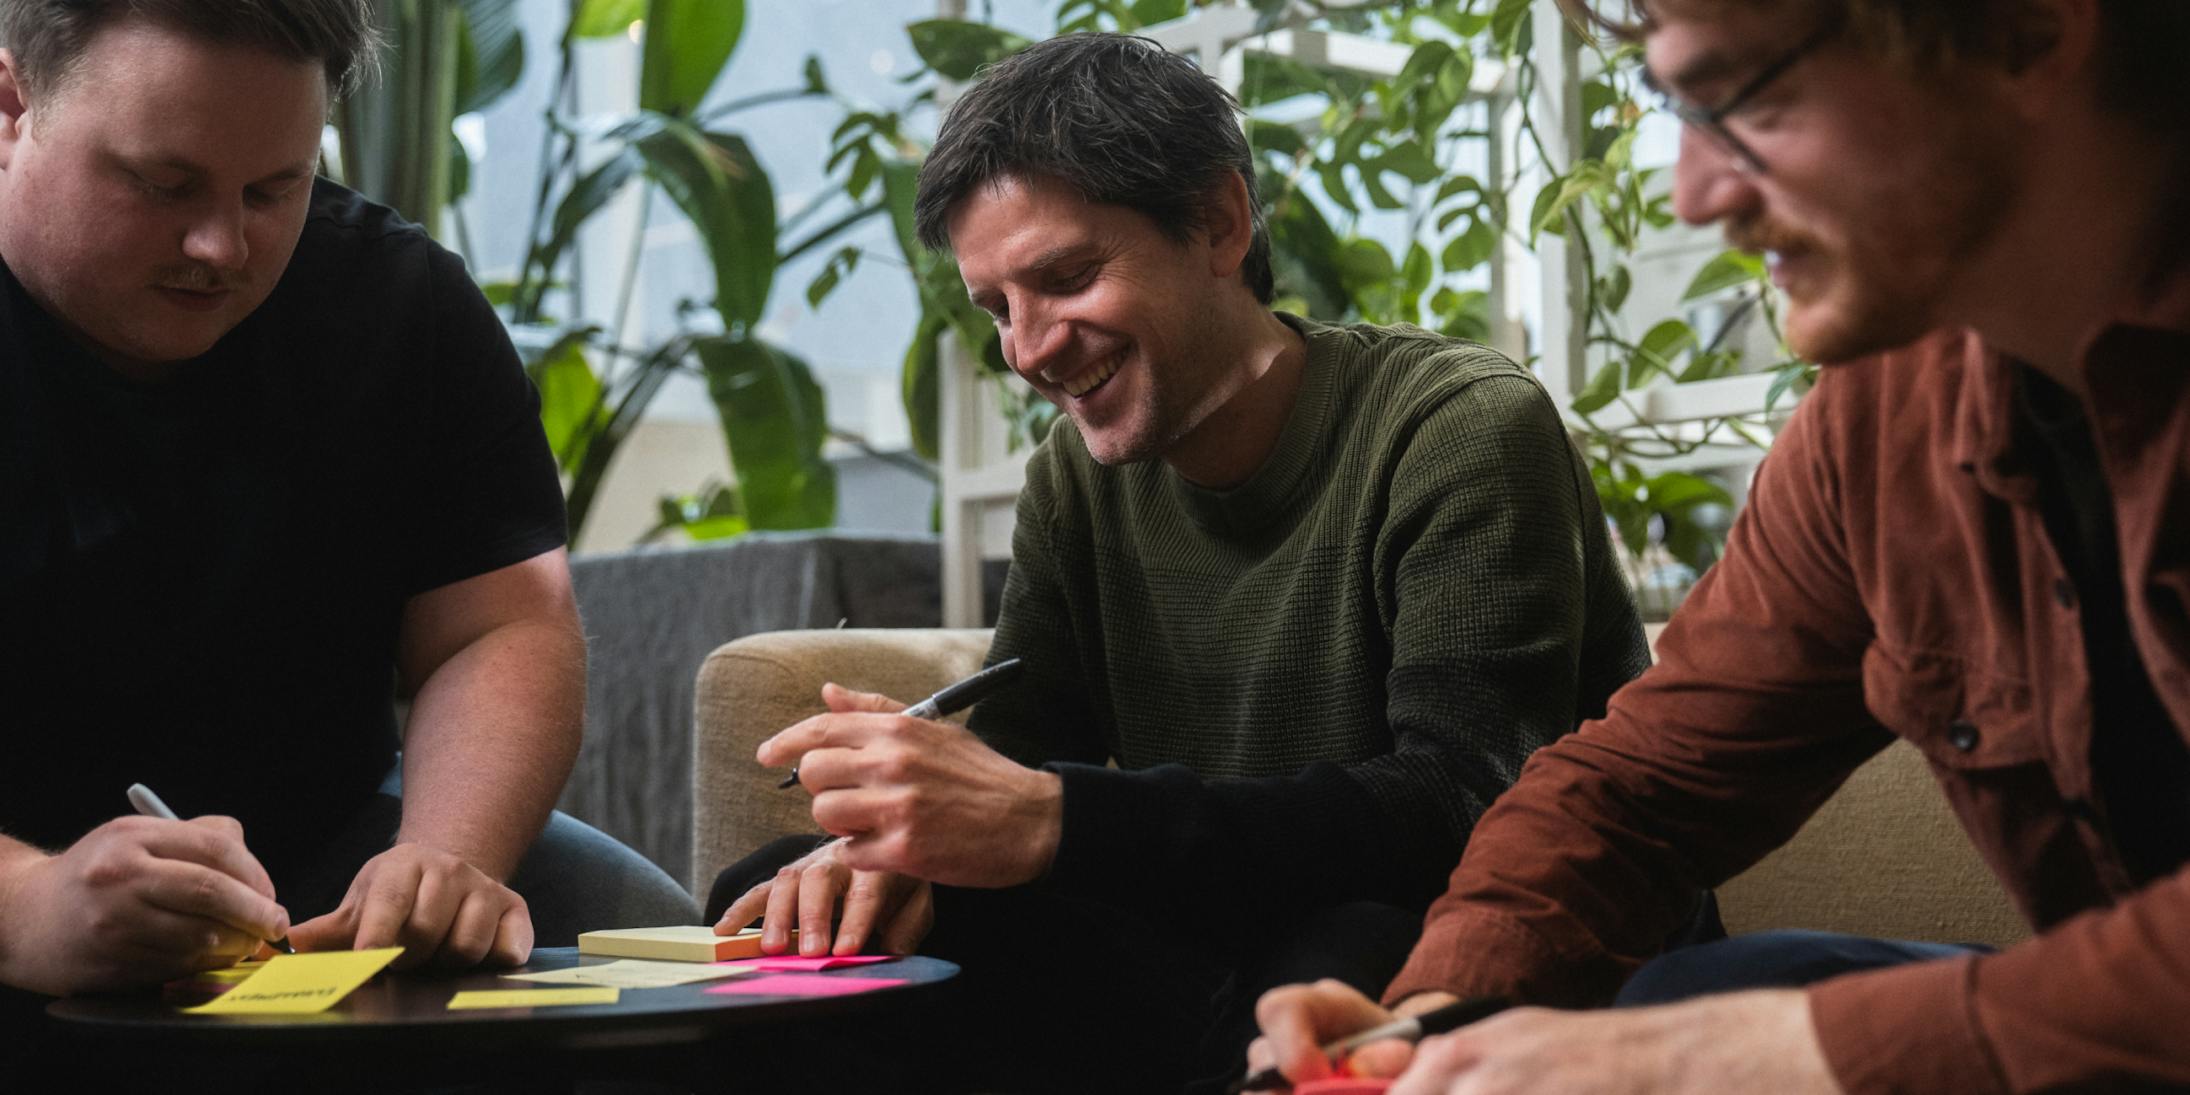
(1892, 575)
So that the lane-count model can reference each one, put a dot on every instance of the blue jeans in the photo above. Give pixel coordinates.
(1774, 959)
(574, 878)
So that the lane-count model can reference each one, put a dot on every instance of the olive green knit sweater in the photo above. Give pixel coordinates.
(1314, 683)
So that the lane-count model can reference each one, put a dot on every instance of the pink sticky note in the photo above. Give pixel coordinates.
(803, 984)
(795, 964)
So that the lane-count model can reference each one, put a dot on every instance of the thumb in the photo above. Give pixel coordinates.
(843, 700)
(1382, 1059)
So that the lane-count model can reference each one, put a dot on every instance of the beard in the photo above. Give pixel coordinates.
(1885, 280)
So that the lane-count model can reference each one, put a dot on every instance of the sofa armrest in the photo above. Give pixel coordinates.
(751, 688)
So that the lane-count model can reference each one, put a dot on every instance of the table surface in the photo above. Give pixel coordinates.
(411, 1009)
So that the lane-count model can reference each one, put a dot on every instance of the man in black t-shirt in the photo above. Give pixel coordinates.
(264, 450)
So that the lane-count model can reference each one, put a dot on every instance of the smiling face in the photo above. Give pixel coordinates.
(1878, 193)
(151, 200)
(1103, 314)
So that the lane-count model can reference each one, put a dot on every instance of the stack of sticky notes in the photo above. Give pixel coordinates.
(684, 943)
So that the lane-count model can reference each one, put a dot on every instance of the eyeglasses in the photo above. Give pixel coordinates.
(1712, 122)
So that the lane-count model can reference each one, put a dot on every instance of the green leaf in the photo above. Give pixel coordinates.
(1602, 389)
(839, 266)
(491, 53)
(605, 18)
(586, 197)
(1615, 287)
(715, 180)
(1411, 161)
(570, 398)
(1147, 13)
(1678, 490)
(957, 48)
(816, 82)
(1418, 271)
(774, 422)
(1553, 202)
(921, 385)
(1795, 378)
(1727, 269)
(1471, 248)
(1508, 22)
(1659, 346)
(1421, 65)
(1364, 263)
(1268, 136)
(688, 43)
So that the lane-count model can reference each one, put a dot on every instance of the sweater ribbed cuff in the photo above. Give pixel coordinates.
(1907, 1029)
(1111, 820)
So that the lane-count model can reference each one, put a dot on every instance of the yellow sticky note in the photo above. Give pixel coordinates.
(530, 998)
(299, 984)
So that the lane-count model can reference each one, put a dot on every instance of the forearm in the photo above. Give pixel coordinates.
(15, 857)
(492, 737)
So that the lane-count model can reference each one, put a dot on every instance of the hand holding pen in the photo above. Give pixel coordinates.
(921, 797)
(134, 902)
(952, 699)
(1288, 1014)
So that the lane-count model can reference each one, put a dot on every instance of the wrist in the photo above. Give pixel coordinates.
(17, 864)
(1044, 807)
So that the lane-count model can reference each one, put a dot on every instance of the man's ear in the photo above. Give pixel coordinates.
(14, 108)
(1229, 221)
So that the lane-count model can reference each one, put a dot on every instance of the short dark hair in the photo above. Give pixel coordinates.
(1119, 119)
(48, 37)
(2139, 57)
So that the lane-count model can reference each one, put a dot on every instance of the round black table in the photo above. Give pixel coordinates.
(397, 1030)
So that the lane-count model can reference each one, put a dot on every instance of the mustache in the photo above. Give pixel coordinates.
(195, 279)
(1762, 236)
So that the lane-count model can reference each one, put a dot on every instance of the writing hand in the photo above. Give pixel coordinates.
(921, 797)
(136, 901)
(1297, 1021)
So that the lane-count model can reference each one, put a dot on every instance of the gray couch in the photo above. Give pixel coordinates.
(653, 614)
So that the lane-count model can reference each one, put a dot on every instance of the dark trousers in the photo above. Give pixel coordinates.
(1067, 994)
(1775, 959)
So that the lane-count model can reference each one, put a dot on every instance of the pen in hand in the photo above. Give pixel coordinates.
(950, 701)
(1414, 1029)
(149, 804)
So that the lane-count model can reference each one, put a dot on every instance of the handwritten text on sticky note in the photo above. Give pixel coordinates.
(300, 984)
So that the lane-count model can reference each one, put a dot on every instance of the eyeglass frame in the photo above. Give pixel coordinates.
(1712, 121)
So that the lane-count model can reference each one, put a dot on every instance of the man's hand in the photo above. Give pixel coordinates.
(921, 798)
(1747, 1041)
(895, 910)
(1299, 1020)
(137, 901)
(440, 909)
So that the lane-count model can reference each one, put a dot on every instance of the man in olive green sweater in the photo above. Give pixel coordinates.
(1317, 591)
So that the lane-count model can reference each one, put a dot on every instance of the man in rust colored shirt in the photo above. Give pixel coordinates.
(1974, 534)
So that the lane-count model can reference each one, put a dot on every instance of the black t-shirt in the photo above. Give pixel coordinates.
(201, 579)
(2138, 759)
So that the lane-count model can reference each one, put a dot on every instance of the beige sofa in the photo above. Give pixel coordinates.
(1883, 858)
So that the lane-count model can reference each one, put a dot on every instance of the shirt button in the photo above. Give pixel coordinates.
(2064, 591)
(1962, 735)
